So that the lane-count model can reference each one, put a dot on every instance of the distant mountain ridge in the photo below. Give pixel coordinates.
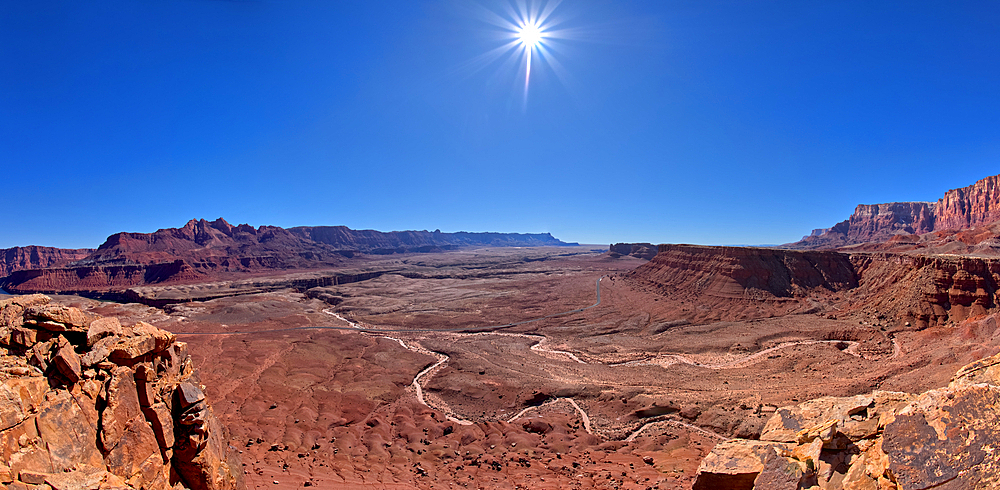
(371, 241)
(202, 250)
(975, 206)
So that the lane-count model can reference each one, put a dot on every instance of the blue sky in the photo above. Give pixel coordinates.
(715, 122)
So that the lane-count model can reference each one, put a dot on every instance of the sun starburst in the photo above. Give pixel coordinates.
(528, 36)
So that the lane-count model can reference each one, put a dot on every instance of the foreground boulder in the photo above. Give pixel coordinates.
(943, 439)
(88, 403)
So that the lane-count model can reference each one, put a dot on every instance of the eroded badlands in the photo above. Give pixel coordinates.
(429, 379)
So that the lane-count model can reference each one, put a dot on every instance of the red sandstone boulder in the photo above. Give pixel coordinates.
(735, 464)
(66, 361)
(57, 318)
(101, 328)
(12, 309)
(68, 433)
(982, 371)
(942, 439)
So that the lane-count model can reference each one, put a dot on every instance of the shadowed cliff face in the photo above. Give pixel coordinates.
(921, 289)
(975, 206)
(741, 272)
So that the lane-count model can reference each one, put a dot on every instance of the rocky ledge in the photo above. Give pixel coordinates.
(943, 439)
(88, 403)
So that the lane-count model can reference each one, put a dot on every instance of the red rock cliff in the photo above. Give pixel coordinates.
(968, 207)
(975, 205)
(744, 272)
(205, 251)
(34, 257)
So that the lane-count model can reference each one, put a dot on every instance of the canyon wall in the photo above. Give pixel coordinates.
(744, 272)
(34, 257)
(86, 402)
(920, 289)
(968, 207)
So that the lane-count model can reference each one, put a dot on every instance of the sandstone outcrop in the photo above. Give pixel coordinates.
(86, 403)
(974, 206)
(741, 272)
(942, 438)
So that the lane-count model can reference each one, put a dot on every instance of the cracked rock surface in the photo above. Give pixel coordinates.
(86, 403)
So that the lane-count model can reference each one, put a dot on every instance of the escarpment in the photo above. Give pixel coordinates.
(34, 257)
(639, 250)
(975, 206)
(86, 402)
(733, 283)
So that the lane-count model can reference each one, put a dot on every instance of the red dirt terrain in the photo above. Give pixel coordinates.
(319, 406)
(563, 367)
(426, 377)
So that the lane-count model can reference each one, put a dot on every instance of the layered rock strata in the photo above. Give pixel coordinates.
(640, 250)
(943, 438)
(921, 289)
(88, 403)
(968, 207)
(741, 272)
(34, 257)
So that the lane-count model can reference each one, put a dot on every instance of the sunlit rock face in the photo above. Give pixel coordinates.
(88, 403)
(975, 206)
(743, 282)
(34, 257)
(942, 438)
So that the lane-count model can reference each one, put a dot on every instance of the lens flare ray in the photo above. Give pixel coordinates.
(527, 38)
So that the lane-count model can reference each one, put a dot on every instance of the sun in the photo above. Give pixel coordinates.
(530, 34)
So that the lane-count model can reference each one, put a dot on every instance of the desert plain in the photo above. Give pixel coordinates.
(498, 368)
